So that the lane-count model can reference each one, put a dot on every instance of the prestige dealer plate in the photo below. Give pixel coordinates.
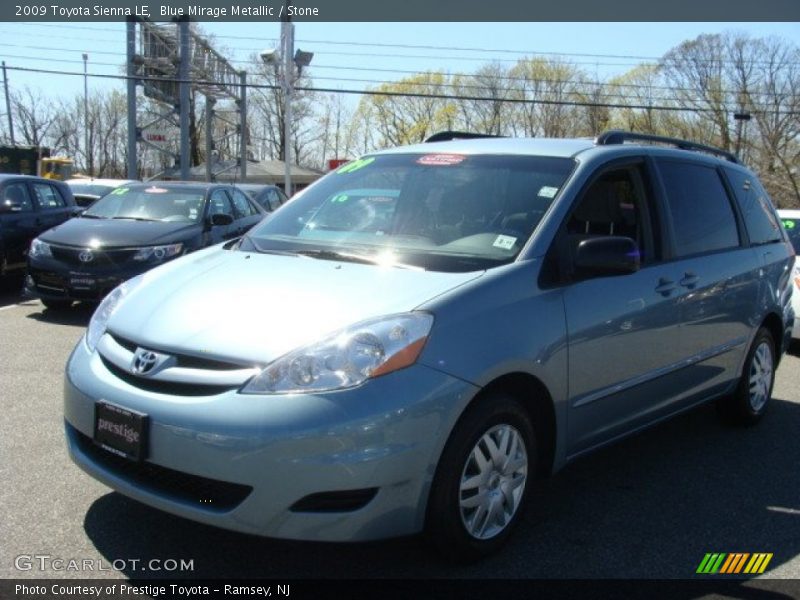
(120, 430)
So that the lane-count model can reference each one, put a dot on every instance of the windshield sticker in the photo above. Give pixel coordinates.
(340, 198)
(119, 191)
(440, 160)
(788, 223)
(548, 191)
(356, 165)
(155, 190)
(506, 242)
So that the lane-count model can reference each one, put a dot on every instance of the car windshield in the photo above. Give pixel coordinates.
(792, 227)
(90, 189)
(151, 203)
(441, 212)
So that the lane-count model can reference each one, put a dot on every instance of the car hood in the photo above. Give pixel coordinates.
(117, 233)
(253, 308)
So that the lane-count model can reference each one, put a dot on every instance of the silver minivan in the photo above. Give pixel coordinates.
(408, 344)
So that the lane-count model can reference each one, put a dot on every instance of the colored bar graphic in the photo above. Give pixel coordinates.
(730, 564)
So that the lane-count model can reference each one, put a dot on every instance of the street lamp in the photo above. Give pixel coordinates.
(86, 113)
(300, 59)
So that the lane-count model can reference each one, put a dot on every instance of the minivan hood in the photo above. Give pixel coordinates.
(120, 233)
(253, 308)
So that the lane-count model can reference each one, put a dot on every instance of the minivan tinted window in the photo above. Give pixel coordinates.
(759, 219)
(437, 211)
(701, 212)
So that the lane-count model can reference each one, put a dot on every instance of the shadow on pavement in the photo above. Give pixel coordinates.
(649, 507)
(77, 314)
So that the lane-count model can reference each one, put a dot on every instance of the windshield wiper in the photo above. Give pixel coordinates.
(85, 216)
(356, 258)
(135, 218)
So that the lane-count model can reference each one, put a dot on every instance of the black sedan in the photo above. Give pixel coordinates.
(131, 230)
(29, 206)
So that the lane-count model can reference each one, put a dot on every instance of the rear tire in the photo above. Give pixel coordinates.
(482, 480)
(56, 303)
(748, 404)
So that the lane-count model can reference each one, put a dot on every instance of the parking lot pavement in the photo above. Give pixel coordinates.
(648, 507)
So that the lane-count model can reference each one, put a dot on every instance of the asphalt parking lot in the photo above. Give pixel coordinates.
(649, 507)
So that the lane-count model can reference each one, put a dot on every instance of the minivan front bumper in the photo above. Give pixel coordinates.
(285, 459)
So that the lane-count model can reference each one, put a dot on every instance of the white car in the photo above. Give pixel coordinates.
(791, 222)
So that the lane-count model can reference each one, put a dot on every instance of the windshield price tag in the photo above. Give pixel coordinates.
(440, 160)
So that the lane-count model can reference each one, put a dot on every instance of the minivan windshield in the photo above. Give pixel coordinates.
(437, 211)
(151, 203)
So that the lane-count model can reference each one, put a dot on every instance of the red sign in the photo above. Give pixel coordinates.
(440, 160)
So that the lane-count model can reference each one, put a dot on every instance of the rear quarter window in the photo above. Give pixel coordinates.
(699, 207)
(759, 216)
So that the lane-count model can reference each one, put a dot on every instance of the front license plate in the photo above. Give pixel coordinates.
(84, 283)
(120, 430)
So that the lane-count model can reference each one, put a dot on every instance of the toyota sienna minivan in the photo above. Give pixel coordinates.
(411, 342)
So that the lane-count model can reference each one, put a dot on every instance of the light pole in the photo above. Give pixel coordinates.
(86, 114)
(290, 59)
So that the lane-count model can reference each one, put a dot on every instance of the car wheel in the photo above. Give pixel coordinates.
(56, 303)
(482, 480)
(747, 405)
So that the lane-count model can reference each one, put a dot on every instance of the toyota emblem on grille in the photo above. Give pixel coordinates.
(144, 361)
(86, 256)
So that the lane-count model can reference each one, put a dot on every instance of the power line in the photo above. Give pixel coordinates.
(417, 72)
(402, 94)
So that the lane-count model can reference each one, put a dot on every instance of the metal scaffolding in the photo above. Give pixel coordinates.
(168, 61)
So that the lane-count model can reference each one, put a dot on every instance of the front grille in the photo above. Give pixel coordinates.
(165, 387)
(206, 494)
(184, 360)
(101, 258)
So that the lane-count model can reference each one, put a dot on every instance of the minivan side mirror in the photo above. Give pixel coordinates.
(220, 220)
(607, 255)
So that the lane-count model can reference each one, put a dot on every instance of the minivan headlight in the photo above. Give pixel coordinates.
(347, 358)
(158, 252)
(39, 249)
(97, 326)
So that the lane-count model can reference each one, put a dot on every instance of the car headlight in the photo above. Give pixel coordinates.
(347, 358)
(99, 321)
(39, 249)
(158, 252)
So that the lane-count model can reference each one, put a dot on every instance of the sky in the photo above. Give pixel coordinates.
(352, 56)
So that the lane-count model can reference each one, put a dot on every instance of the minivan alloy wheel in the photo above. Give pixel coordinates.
(761, 367)
(493, 481)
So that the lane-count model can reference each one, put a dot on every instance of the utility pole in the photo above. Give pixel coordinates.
(287, 39)
(183, 94)
(8, 106)
(133, 134)
(89, 161)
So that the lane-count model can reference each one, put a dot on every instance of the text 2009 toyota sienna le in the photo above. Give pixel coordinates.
(446, 322)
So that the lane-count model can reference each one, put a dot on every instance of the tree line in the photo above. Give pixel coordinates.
(730, 90)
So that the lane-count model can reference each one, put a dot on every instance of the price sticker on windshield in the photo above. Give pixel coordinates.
(440, 160)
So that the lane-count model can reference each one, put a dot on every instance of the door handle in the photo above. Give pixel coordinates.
(665, 286)
(689, 280)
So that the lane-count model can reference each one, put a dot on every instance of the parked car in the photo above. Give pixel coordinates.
(270, 197)
(28, 206)
(87, 191)
(481, 313)
(131, 230)
(791, 222)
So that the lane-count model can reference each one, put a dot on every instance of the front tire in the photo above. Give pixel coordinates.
(482, 480)
(747, 405)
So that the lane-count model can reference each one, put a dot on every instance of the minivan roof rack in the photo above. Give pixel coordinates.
(618, 136)
(446, 136)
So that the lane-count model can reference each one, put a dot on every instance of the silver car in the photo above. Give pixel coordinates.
(450, 322)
